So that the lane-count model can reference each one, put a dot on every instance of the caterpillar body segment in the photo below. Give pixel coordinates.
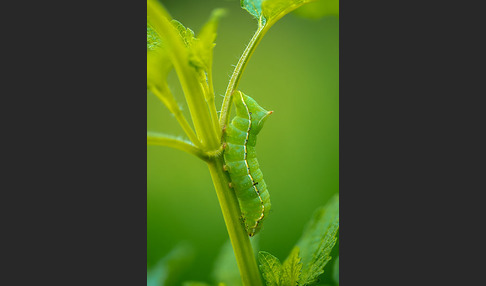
(242, 164)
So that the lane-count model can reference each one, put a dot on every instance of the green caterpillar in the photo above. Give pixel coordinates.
(242, 164)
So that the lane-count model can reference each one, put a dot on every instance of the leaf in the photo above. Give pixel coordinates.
(158, 67)
(319, 9)
(291, 268)
(169, 269)
(187, 35)
(268, 12)
(273, 10)
(226, 269)
(270, 267)
(335, 270)
(317, 241)
(254, 7)
(203, 46)
(158, 62)
(153, 39)
(200, 49)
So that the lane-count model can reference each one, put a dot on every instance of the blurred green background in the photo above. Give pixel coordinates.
(294, 72)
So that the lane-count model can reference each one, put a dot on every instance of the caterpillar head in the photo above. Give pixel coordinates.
(247, 106)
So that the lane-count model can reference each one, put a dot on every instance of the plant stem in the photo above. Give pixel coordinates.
(237, 73)
(160, 21)
(210, 99)
(240, 241)
(167, 98)
(169, 141)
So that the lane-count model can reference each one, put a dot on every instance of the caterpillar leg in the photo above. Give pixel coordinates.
(230, 185)
(225, 167)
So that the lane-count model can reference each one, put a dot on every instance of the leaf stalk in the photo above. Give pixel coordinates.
(237, 73)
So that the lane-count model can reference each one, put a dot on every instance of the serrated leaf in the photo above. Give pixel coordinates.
(200, 48)
(254, 7)
(273, 10)
(169, 269)
(267, 12)
(291, 268)
(335, 270)
(317, 241)
(153, 39)
(319, 9)
(270, 267)
(191, 44)
(186, 34)
(225, 268)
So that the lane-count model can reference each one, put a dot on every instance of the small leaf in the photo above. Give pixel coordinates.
(319, 9)
(268, 12)
(169, 269)
(291, 268)
(200, 49)
(317, 241)
(158, 62)
(203, 46)
(186, 34)
(153, 39)
(254, 7)
(270, 267)
(273, 10)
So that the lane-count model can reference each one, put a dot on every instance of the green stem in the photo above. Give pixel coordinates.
(167, 98)
(166, 140)
(237, 73)
(240, 241)
(159, 19)
(210, 99)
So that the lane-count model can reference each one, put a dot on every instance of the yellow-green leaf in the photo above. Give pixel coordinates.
(153, 39)
(158, 61)
(319, 9)
(203, 46)
(291, 268)
(270, 267)
(268, 12)
(273, 10)
(317, 241)
(186, 34)
(254, 7)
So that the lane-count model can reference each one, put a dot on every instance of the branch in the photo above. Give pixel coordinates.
(161, 139)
